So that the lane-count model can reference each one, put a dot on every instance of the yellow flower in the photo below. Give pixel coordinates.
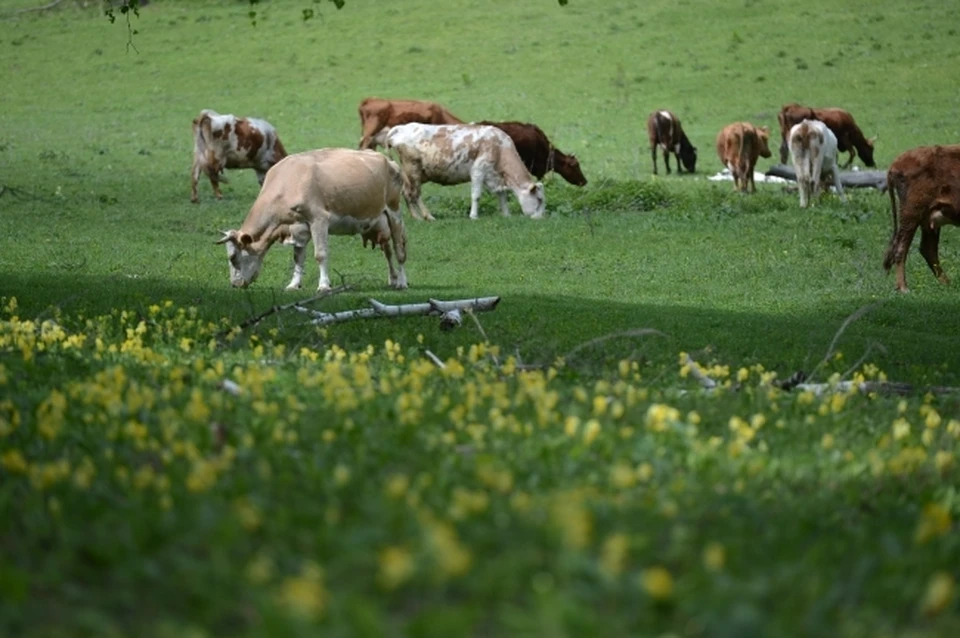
(939, 594)
(622, 476)
(590, 431)
(341, 474)
(305, 595)
(714, 557)
(13, 462)
(614, 554)
(934, 521)
(260, 569)
(571, 425)
(396, 567)
(827, 441)
(658, 583)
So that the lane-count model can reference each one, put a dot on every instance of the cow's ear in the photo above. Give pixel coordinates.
(765, 130)
(228, 235)
(872, 141)
(244, 239)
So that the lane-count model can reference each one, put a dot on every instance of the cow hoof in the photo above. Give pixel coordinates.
(297, 287)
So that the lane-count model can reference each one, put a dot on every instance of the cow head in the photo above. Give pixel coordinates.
(763, 136)
(569, 168)
(245, 263)
(688, 155)
(532, 200)
(866, 153)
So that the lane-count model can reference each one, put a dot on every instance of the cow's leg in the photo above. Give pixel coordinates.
(476, 189)
(851, 157)
(370, 128)
(666, 161)
(412, 195)
(504, 205)
(215, 182)
(901, 248)
(299, 256)
(195, 171)
(398, 235)
(784, 150)
(930, 249)
(319, 231)
(653, 153)
(837, 183)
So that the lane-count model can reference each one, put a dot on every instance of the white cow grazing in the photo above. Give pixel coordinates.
(227, 141)
(457, 153)
(813, 148)
(335, 191)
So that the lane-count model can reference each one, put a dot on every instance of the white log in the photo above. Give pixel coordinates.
(433, 307)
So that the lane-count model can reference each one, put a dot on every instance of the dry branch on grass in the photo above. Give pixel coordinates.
(448, 311)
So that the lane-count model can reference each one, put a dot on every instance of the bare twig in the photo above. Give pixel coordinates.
(636, 332)
(698, 374)
(859, 312)
(860, 361)
(435, 359)
(299, 305)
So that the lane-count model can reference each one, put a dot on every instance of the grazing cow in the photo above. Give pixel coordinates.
(333, 191)
(664, 130)
(227, 141)
(850, 138)
(539, 155)
(377, 114)
(459, 153)
(814, 151)
(927, 181)
(738, 146)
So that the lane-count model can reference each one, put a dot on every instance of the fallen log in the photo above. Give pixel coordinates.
(448, 311)
(849, 179)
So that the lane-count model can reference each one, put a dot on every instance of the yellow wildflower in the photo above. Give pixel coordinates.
(396, 567)
(714, 557)
(13, 462)
(939, 594)
(305, 595)
(614, 554)
(658, 583)
(934, 521)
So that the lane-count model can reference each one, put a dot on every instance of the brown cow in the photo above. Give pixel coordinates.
(377, 114)
(228, 141)
(664, 130)
(927, 181)
(738, 146)
(539, 155)
(850, 138)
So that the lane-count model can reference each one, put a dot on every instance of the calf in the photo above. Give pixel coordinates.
(457, 153)
(927, 181)
(227, 141)
(539, 155)
(332, 191)
(738, 146)
(814, 150)
(664, 130)
(377, 114)
(849, 136)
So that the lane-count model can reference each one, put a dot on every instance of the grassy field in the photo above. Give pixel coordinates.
(165, 473)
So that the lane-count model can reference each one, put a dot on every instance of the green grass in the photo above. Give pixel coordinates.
(498, 502)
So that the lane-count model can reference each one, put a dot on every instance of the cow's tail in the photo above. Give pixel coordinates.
(893, 187)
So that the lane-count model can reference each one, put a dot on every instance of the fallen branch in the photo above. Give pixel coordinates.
(856, 314)
(698, 374)
(298, 305)
(434, 307)
(849, 179)
(880, 387)
(435, 359)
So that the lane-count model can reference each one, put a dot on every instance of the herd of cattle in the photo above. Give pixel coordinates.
(308, 196)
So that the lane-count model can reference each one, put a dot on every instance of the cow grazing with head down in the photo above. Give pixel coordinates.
(850, 138)
(539, 155)
(927, 181)
(334, 191)
(377, 114)
(738, 146)
(457, 153)
(227, 141)
(664, 130)
(814, 151)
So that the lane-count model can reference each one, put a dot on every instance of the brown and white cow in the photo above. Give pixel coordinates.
(377, 114)
(814, 150)
(334, 191)
(227, 141)
(849, 136)
(457, 153)
(539, 155)
(664, 130)
(738, 146)
(927, 181)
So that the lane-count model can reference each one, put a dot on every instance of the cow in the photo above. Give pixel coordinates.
(334, 191)
(539, 155)
(664, 130)
(927, 182)
(377, 114)
(813, 148)
(228, 141)
(738, 146)
(850, 138)
(458, 153)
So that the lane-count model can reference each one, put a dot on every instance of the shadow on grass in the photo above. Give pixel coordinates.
(911, 338)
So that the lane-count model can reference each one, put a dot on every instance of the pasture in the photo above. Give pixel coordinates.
(164, 472)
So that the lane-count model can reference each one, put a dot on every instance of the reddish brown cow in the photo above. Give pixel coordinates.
(850, 138)
(738, 146)
(377, 114)
(539, 155)
(664, 130)
(927, 181)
